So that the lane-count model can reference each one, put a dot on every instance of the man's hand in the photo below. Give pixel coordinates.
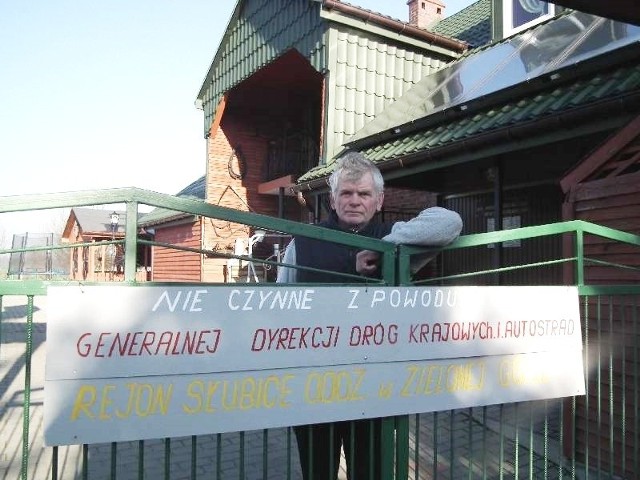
(367, 262)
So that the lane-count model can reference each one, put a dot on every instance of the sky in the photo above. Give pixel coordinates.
(97, 95)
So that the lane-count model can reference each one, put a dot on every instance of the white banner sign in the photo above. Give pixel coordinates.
(118, 357)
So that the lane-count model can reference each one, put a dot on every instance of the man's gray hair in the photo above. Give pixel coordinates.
(352, 166)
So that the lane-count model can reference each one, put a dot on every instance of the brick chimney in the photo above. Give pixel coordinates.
(425, 13)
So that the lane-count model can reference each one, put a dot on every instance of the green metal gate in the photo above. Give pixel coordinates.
(595, 436)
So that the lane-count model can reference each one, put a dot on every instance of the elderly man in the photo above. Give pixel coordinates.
(357, 193)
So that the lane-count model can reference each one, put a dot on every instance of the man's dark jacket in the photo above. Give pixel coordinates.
(332, 256)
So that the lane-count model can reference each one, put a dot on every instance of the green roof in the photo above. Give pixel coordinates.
(484, 89)
(372, 59)
(472, 24)
(607, 84)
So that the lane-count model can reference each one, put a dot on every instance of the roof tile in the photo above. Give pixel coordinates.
(529, 108)
(471, 25)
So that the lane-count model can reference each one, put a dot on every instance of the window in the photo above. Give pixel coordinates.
(518, 15)
(98, 258)
(508, 223)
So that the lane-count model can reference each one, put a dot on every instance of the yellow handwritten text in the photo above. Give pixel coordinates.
(242, 394)
(141, 399)
(436, 379)
(334, 386)
(518, 371)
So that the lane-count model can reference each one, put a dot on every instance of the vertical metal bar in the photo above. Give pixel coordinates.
(531, 445)
(395, 431)
(636, 388)
(497, 215)
(610, 393)
(27, 390)
(85, 461)
(131, 242)
(402, 447)
(140, 459)
(561, 440)
(587, 368)
(310, 455)
(580, 257)
(623, 395)
(416, 443)
(194, 455)
(114, 456)
(501, 434)
(545, 432)
(280, 204)
(316, 208)
(265, 453)
(387, 442)
(371, 447)
(49, 258)
(470, 443)
(574, 438)
(389, 267)
(404, 266)
(167, 459)
(435, 445)
(599, 384)
(54, 461)
(452, 443)
(289, 457)
(484, 442)
(241, 474)
(25, 241)
(516, 459)
(219, 456)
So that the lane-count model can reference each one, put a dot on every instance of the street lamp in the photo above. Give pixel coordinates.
(115, 218)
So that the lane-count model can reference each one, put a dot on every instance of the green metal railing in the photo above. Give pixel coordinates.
(549, 439)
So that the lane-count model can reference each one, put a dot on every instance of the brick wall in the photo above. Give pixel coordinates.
(225, 188)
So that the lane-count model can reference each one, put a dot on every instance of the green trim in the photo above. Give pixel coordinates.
(590, 290)
(23, 287)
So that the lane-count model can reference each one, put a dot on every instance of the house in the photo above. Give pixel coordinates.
(292, 83)
(288, 84)
(495, 133)
(538, 127)
(181, 263)
(98, 259)
(510, 117)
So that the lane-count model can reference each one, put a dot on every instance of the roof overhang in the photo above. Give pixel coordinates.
(390, 26)
(626, 11)
(567, 124)
(280, 185)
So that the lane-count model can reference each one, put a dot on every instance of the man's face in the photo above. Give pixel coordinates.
(356, 202)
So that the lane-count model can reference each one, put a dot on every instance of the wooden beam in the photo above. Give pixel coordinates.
(611, 147)
(218, 118)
